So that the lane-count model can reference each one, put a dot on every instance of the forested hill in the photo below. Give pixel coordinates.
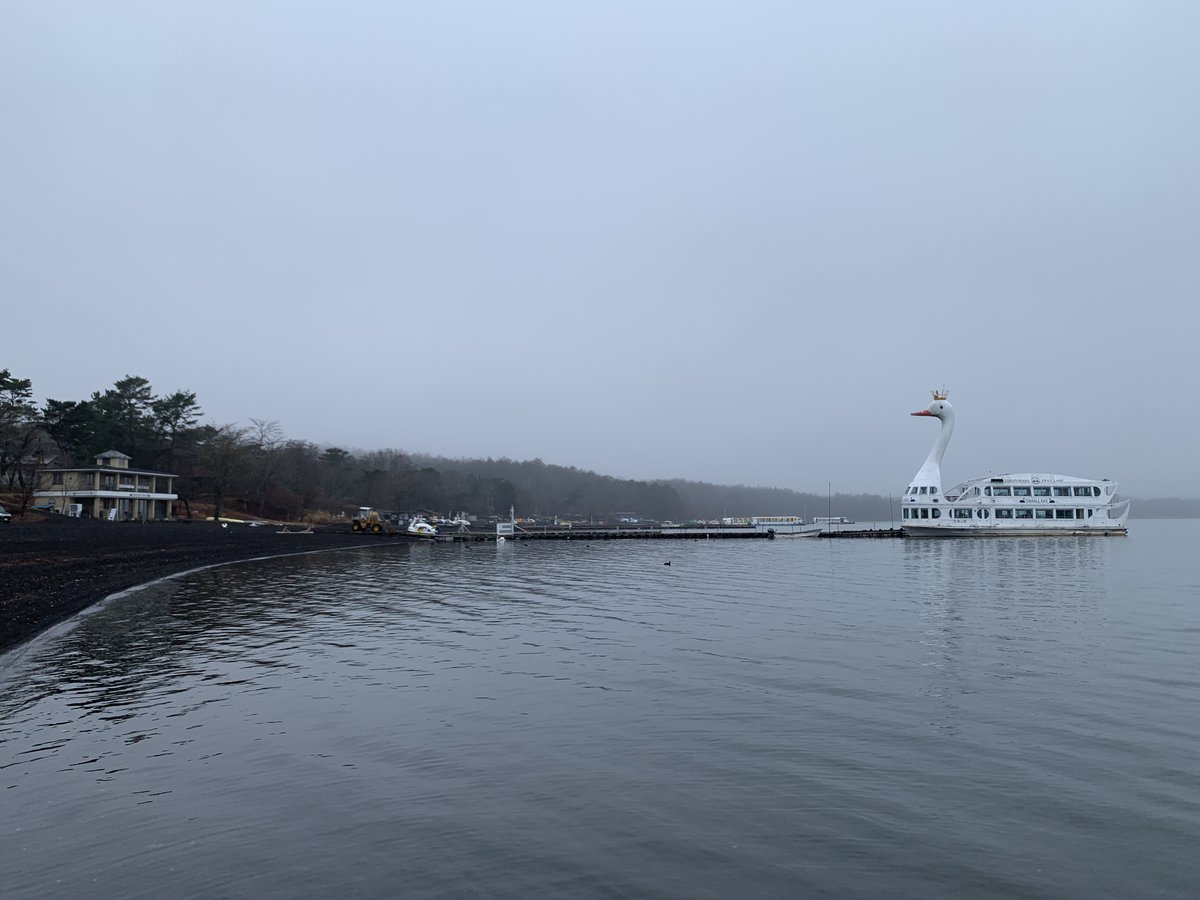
(546, 489)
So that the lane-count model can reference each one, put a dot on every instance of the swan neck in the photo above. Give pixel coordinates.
(931, 471)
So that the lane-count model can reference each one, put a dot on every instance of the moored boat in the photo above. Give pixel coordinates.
(785, 526)
(1026, 503)
(418, 527)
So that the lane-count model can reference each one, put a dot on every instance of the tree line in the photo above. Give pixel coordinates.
(257, 470)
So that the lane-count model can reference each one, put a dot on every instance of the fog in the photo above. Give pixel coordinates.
(731, 242)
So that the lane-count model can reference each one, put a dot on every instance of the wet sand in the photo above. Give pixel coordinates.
(52, 569)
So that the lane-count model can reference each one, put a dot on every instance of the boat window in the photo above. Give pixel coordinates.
(924, 489)
(1022, 513)
(1004, 514)
(962, 514)
(904, 513)
(1083, 492)
(1090, 511)
(1020, 492)
(1043, 514)
(1064, 514)
(1108, 490)
(1062, 492)
(1041, 492)
(924, 513)
(1079, 513)
(987, 492)
(975, 491)
(1095, 492)
(937, 513)
(1001, 492)
(933, 490)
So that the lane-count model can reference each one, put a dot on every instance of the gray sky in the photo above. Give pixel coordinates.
(726, 241)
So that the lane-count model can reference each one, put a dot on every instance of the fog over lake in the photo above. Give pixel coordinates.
(731, 242)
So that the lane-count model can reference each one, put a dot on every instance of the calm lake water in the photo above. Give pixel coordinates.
(959, 718)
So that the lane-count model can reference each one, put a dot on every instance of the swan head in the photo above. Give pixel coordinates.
(940, 408)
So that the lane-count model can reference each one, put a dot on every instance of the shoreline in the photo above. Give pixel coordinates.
(52, 570)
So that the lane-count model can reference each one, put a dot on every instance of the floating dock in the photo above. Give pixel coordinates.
(631, 532)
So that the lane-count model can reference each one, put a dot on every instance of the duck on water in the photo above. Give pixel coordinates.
(1026, 503)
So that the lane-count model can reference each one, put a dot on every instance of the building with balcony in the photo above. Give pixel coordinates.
(108, 490)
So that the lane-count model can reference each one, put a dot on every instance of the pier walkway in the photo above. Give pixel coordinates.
(631, 532)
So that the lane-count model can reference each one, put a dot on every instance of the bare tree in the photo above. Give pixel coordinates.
(266, 439)
(222, 460)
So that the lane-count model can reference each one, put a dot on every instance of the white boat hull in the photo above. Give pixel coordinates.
(792, 531)
(1015, 531)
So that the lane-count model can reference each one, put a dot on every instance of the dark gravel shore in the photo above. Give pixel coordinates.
(52, 569)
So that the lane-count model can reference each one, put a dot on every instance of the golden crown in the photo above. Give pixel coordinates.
(941, 394)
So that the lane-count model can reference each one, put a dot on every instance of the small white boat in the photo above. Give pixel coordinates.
(785, 526)
(418, 527)
(1025, 503)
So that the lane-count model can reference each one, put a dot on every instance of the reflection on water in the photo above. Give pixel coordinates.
(1032, 589)
(791, 718)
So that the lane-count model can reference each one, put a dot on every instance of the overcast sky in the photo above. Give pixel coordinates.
(727, 241)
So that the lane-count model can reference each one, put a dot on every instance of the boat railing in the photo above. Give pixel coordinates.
(957, 491)
(1118, 509)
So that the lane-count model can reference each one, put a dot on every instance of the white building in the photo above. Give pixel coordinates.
(108, 490)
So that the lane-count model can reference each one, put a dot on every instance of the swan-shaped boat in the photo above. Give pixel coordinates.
(1026, 503)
